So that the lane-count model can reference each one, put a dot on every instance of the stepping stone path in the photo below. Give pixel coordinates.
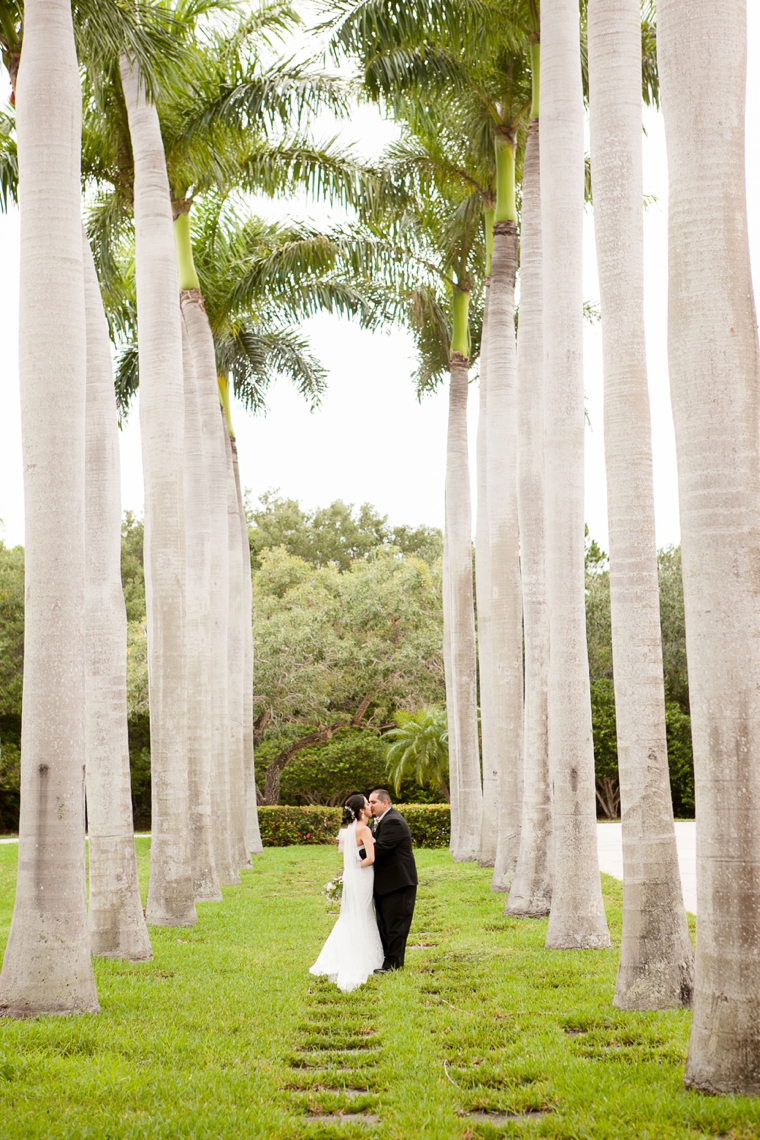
(333, 1085)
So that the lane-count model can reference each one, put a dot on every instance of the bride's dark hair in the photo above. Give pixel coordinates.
(352, 807)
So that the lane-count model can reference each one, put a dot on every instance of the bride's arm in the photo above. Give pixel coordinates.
(341, 839)
(366, 839)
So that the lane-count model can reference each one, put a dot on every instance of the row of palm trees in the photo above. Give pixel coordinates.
(438, 245)
(160, 115)
(431, 64)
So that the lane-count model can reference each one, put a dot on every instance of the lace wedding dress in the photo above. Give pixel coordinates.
(353, 949)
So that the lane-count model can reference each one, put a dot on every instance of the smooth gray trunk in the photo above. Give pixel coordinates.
(162, 429)
(577, 919)
(253, 843)
(198, 533)
(115, 915)
(531, 891)
(656, 968)
(506, 590)
(215, 462)
(489, 823)
(235, 665)
(47, 966)
(461, 682)
(715, 388)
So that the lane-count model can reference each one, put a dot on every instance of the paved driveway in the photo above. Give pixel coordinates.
(610, 843)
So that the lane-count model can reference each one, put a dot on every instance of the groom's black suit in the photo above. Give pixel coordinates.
(395, 885)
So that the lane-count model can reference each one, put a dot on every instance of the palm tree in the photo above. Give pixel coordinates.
(212, 133)
(419, 749)
(449, 247)
(199, 520)
(531, 889)
(435, 52)
(236, 626)
(489, 826)
(577, 917)
(657, 959)
(47, 966)
(715, 382)
(501, 449)
(116, 921)
(170, 896)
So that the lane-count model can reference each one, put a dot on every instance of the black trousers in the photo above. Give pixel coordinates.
(394, 918)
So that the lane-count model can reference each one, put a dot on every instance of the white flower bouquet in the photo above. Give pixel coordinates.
(333, 891)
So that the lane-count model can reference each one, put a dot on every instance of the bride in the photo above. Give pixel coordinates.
(353, 950)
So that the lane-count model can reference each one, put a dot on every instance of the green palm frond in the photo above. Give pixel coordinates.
(284, 94)
(419, 749)
(254, 357)
(8, 161)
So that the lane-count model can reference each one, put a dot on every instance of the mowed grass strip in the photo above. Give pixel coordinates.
(485, 1034)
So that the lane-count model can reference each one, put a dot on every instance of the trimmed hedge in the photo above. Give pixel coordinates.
(430, 824)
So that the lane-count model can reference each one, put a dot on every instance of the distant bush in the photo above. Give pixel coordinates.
(353, 761)
(289, 826)
(680, 758)
(430, 824)
(10, 786)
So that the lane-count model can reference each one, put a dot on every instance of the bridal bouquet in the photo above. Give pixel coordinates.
(333, 890)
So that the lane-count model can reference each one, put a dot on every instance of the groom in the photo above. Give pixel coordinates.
(395, 879)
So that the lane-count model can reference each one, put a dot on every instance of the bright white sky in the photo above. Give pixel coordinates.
(371, 441)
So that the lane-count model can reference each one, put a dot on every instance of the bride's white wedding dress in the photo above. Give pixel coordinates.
(353, 949)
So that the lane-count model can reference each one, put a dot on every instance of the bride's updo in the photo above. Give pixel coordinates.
(352, 807)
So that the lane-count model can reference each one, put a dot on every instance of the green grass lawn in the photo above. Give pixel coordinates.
(225, 1033)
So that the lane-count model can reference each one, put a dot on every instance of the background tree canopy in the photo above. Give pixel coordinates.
(346, 607)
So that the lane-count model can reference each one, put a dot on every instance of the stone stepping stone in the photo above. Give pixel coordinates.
(343, 1118)
(504, 1117)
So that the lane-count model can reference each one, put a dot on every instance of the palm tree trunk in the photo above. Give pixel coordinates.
(170, 895)
(235, 661)
(506, 591)
(215, 464)
(47, 966)
(116, 920)
(253, 844)
(198, 526)
(715, 384)
(245, 619)
(577, 918)
(531, 891)
(467, 796)
(451, 695)
(489, 823)
(656, 958)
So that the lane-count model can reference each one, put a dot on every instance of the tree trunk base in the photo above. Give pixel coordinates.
(23, 1012)
(207, 892)
(231, 879)
(579, 941)
(167, 920)
(660, 986)
(530, 908)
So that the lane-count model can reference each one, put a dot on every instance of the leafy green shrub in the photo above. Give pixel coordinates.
(353, 761)
(605, 748)
(680, 760)
(139, 763)
(286, 826)
(10, 786)
(430, 824)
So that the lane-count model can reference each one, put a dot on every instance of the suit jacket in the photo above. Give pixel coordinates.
(394, 862)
